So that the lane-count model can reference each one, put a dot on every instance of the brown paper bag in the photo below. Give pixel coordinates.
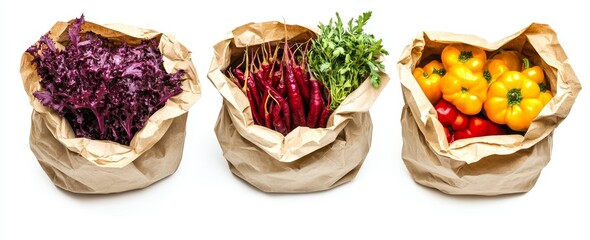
(82, 165)
(490, 165)
(306, 160)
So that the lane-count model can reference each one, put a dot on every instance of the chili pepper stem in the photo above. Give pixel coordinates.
(246, 72)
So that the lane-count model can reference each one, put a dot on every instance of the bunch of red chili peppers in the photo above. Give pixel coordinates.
(282, 94)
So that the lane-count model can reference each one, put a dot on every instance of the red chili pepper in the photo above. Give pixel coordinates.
(252, 94)
(260, 79)
(278, 122)
(295, 100)
(265, 72)
(459, 126)
(303, 66)
(240, 75)
(253, 88)
(255, 115)
(276, 79)
(281, 86)
(262, 110)
(234, 79)
(267, 119)
(282, 104)
(303, 86)
(323, 121)
(315, 104)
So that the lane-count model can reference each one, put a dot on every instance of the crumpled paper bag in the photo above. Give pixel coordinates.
(82, 165)
(489, 165)
(306, 160)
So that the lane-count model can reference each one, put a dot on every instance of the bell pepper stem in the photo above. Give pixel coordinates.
(465, 55)
(514, 96)
(526, 63)
(440, 72)
(543, 87)
(487, 75)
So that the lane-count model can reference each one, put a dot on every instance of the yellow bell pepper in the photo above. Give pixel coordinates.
(545, 94)
(502, 62)
(512, 59)
(428, 77)
(513, 99)
(459, 53)
(464, 89)
(536, 74)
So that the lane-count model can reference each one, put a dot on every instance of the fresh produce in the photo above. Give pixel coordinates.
(464, 89)
(299, 85)
(342, 58)
(459, 126)
(512, 59)
(282, 95)
(472, 57)
(536, 74)
(502, 62)
(515, 99)
(105, 90)
(507, 87)
(428, 78)
(545, 94)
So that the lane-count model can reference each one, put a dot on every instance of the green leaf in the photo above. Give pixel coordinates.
(338, 51)
(343, 70)
(375, 79)
(331, 45)
(325, 67)
(347, 84)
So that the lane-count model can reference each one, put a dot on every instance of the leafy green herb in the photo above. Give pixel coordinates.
(343, 58)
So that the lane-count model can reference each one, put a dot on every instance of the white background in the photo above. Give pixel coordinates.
(203, 200)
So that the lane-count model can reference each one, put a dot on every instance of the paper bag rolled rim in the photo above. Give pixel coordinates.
(108, 153)
(302, 140)
(564, 85)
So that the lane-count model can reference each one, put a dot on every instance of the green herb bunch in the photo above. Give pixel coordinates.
(343, 58)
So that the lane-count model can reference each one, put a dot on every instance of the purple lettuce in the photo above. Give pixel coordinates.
(106, 90)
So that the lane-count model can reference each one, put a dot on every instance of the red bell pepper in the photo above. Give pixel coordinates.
(459, 126)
